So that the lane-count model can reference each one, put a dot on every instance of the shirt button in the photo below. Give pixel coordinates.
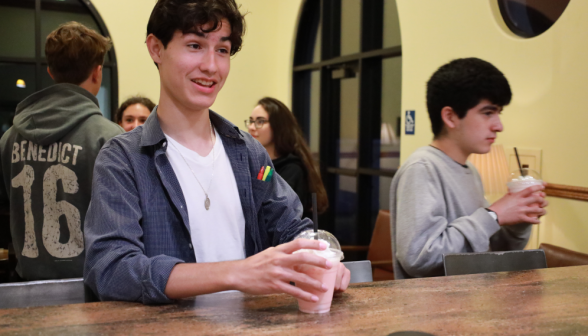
(190, 246)
(164, 143)
(181, 206)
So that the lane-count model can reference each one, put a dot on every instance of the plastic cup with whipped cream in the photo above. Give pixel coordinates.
(325, 276)
(523, 179)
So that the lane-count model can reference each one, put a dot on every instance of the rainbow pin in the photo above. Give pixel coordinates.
(260, 174)
(268, 169)
(270, 175)
(265, 174)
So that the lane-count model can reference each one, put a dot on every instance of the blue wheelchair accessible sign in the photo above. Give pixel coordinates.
(409, 123)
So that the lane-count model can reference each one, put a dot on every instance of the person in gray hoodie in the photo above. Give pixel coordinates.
(437, 203)
(47, 157)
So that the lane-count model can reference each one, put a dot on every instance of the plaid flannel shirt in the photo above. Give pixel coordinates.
(137, 227)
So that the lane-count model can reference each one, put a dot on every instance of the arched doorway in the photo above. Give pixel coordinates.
(24, 26)
(346, 95)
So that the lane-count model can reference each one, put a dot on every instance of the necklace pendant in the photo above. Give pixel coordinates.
(207, 203)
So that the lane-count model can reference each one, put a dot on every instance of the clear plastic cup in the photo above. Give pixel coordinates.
(519, 182)
(325, 276)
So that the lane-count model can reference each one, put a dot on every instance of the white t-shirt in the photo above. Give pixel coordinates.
(218, 234)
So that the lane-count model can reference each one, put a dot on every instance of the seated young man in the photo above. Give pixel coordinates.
(48, 157)
(437, 203)
(177, 209)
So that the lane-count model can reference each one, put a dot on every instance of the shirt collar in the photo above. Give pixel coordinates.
(153, 134)
(448, 157)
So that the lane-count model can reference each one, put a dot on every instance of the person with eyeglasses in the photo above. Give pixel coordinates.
(285, 144)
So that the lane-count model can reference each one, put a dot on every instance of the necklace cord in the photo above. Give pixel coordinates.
(189, 167)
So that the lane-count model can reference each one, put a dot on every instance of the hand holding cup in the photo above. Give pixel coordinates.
(337, 277)
(525, 201)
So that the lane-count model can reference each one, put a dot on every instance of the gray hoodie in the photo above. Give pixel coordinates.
(47, 160)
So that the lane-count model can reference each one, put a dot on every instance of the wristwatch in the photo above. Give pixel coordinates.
(493, 214)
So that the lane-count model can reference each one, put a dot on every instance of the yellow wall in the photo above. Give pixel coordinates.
(549, 79)
(262, 68)
(127, 24)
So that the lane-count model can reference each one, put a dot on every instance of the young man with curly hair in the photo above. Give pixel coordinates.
(177, 209)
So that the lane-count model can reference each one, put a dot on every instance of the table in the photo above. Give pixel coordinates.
(538, 302)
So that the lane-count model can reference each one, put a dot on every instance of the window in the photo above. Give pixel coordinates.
(24, 26)
(346, 97)
(529, 18)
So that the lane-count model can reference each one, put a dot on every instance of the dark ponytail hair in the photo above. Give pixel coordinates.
(288, 139)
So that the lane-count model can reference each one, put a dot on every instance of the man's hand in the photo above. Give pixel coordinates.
(272, 270)
(343, 277)
(525, 206)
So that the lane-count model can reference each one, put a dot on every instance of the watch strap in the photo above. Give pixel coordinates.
(493, 214)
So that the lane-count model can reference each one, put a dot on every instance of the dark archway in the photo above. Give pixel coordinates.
(24, 25)
(346, 97)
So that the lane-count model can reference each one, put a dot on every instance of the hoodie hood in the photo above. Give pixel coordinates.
(48, 115)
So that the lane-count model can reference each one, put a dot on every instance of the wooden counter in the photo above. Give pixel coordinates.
(540, 302)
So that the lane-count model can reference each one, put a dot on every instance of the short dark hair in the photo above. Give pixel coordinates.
(188, 16)
(461, 84)
(73, 51)
(132, 101)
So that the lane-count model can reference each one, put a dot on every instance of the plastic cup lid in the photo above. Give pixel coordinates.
(324, 236)
(528, 174)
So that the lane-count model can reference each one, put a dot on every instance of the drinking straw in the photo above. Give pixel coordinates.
(314, 215)
(519, 161)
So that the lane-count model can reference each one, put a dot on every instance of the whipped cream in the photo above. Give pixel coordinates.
(522, 182)
(326, 253)
(523, 178)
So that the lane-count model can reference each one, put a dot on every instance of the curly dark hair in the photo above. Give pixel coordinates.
(461, 84)
(132, 101)
(188, 16)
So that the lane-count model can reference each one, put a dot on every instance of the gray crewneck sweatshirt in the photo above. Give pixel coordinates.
(437, 207)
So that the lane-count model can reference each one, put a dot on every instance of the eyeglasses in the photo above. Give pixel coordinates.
(258, 123)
